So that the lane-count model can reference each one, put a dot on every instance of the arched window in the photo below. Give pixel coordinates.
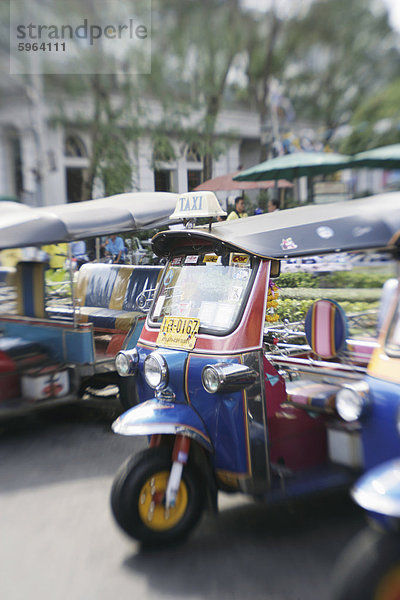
(193, 153)
(74, 146)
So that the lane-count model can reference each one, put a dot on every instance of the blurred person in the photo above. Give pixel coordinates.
(273, 205)
(238, 212)
(115, 249)
(78, 251)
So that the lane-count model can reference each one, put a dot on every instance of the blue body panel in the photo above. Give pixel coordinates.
(380, 436)
(224, 415)
(64, 344)
(30, 289)
(378, 492)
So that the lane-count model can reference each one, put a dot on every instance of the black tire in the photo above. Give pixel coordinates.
(128, 395)
(369, 568)
(129, 488)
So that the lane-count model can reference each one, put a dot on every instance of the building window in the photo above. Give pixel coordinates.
(162, 180)
(74, 146)
(194, 178)
(76, 167)
(75, 181)
(17, 166)
(13, 163)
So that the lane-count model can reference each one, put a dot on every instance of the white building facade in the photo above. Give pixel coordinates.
(44, 163)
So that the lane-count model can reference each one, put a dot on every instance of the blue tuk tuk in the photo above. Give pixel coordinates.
(230, 403)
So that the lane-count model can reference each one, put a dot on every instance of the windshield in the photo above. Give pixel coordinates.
(208, 288)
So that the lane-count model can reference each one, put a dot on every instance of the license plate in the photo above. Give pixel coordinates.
(178, 332)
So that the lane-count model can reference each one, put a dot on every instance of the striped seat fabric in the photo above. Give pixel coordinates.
(326, 332)
(326, 328)
(107, 294)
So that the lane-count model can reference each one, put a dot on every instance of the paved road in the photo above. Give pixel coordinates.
(58, 539)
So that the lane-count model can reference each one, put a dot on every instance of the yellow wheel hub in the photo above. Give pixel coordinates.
(389, 586)
(152, 509)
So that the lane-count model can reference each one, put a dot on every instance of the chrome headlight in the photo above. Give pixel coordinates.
(352, 400)
(227, 377)
(210, 380)
(126, 362)
(156, 370)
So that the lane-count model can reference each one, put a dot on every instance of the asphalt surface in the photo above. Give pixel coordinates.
(58, 539)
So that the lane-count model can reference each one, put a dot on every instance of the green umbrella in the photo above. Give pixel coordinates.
(385, 157)
(298, 164)
(9, 199)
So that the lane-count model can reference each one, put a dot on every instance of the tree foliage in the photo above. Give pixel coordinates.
(202, 40)
(376, 122)
(341, 51)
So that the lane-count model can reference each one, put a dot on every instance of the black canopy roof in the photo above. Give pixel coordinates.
(372, 222)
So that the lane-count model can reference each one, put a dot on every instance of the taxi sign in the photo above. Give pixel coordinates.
(197, 204)
(178, 332)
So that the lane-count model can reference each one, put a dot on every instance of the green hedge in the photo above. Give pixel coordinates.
(340, 295)
(346, 279)
(353, 279)
(294, 280)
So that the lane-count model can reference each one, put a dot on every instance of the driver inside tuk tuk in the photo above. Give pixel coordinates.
(115, 248)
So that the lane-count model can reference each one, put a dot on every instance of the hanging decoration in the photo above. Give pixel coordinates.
(272, 303)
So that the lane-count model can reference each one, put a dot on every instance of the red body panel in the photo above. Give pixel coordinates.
(9, 379)
(296, 439)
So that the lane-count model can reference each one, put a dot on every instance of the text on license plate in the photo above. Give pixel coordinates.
(178, 332)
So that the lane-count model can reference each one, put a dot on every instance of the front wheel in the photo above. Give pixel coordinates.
(369, 568)
(137, 498)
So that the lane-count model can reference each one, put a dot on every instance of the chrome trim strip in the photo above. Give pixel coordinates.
(318, 366)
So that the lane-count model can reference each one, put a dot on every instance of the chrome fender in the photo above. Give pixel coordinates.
(154, 417)
(378, 491)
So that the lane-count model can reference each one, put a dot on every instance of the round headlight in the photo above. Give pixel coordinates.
(210, 380)
(156, 370)
(126, 362)
(351, 401)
